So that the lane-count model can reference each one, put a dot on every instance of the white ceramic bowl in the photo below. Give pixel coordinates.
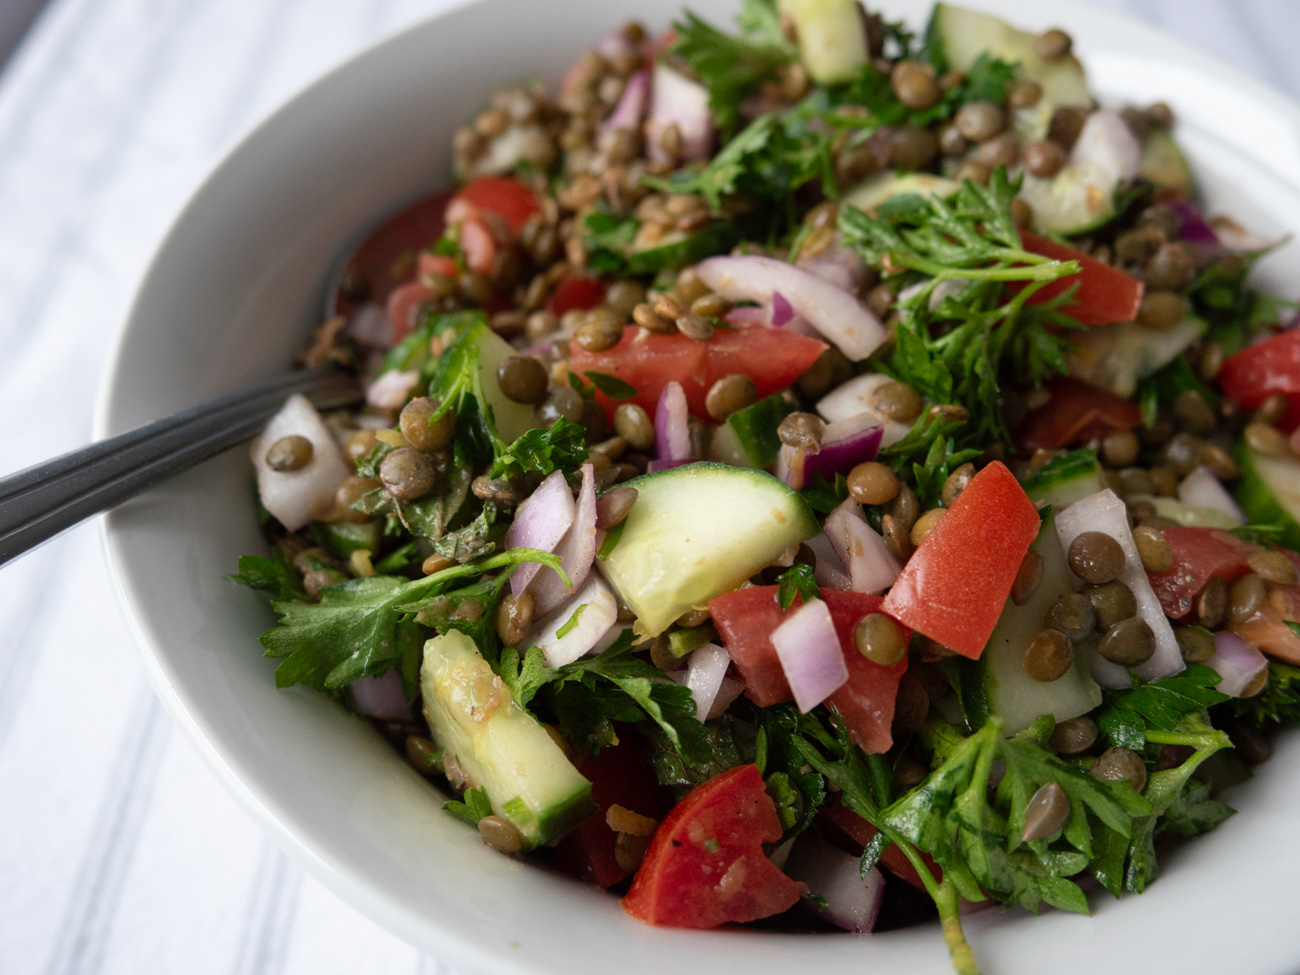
(233, 294)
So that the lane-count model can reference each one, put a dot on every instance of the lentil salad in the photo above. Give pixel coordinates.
(990, 408)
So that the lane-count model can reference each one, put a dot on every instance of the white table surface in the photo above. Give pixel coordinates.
(119, 851)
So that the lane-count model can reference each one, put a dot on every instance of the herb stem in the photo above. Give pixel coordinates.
(959, 949)
(1198, 740)
(1034, 267)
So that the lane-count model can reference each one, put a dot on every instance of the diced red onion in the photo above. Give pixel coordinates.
(1105, 512)
(1193, 227)
(597, 610)
(782, 311)
(705, 669)
(371, 326)
(1106, 140)
(392, 389)
(676, 100)
(828, 570)
(790, 466)
(845, 445)
(854, 398)
(296, 498)
(540, 522)
(835, 313)
(1237, 662)
(809, 650)
(728, 691)
(852, 900)
(631, 106)
(872, 568)
(577, 550)
(672, 432)
(1202, 489)
(381, 697)
(838, 264)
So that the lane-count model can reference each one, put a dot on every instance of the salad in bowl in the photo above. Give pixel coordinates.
(811, 475)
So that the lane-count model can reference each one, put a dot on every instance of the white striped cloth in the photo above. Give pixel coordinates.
(119, 852)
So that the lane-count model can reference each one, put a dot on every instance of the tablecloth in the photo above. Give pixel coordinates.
(119, 851)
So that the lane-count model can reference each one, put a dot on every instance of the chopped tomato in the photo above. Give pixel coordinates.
(388, 256)
(773, 358)
(1076, 411)
(403, 305)
(1199, 553)
(513, 201)
(746, 618)
(706, 864)
(619, 775)
(478, 244)
(431, 263)
(579, 293)
(1263, 370)
(1106, 294)
(955, 584)
(861, 832)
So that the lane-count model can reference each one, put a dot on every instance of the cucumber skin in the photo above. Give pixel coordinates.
(1260, 504)
(714, 239)
(1064, 480)
(755, 427)
(636, 568)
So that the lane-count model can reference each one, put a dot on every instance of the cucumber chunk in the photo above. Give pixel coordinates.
(1164, 164)
(696, 532)
(1064, 480)
(832, 43)
(498, 745)
(999, 685)
(1079, 198)
(1269, 492)
(343, 538)
(755, 429)
(886, 186)
(957, 37)
(1117, 357)
(678, 248)
(512, 420)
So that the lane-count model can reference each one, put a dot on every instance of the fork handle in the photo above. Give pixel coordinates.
(40, 502)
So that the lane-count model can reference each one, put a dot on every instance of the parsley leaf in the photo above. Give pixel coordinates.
(927, 454)
(611, 386)
(541, 451)
(798, 580)
(471, 807)
(1278, 702)
(364, 626)
(274, 575)
(734, 67)
(1159, 704)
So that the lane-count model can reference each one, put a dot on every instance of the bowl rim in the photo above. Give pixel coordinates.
(270, 812)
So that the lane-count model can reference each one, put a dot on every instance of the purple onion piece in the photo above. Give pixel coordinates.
(677, 100)
(835, 313)
(631, 107)
(839, 265)
(705, 670)
(782, 311)
(1193, 227)
(845, 445)
(381, 697)
(871, 567)
(577, 550)
(852, 900)
(672, 432)
(1237, 662)
(828, 570)
(540, 522)
(809, 650)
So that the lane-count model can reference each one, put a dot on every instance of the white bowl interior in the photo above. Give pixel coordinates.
(234, 294)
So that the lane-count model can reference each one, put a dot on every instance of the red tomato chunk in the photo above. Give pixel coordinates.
(746, 618)
(1076, 411)
(771, 357)
(1106, 294)
(1199, 553)
(954, 586)
(706, 864)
